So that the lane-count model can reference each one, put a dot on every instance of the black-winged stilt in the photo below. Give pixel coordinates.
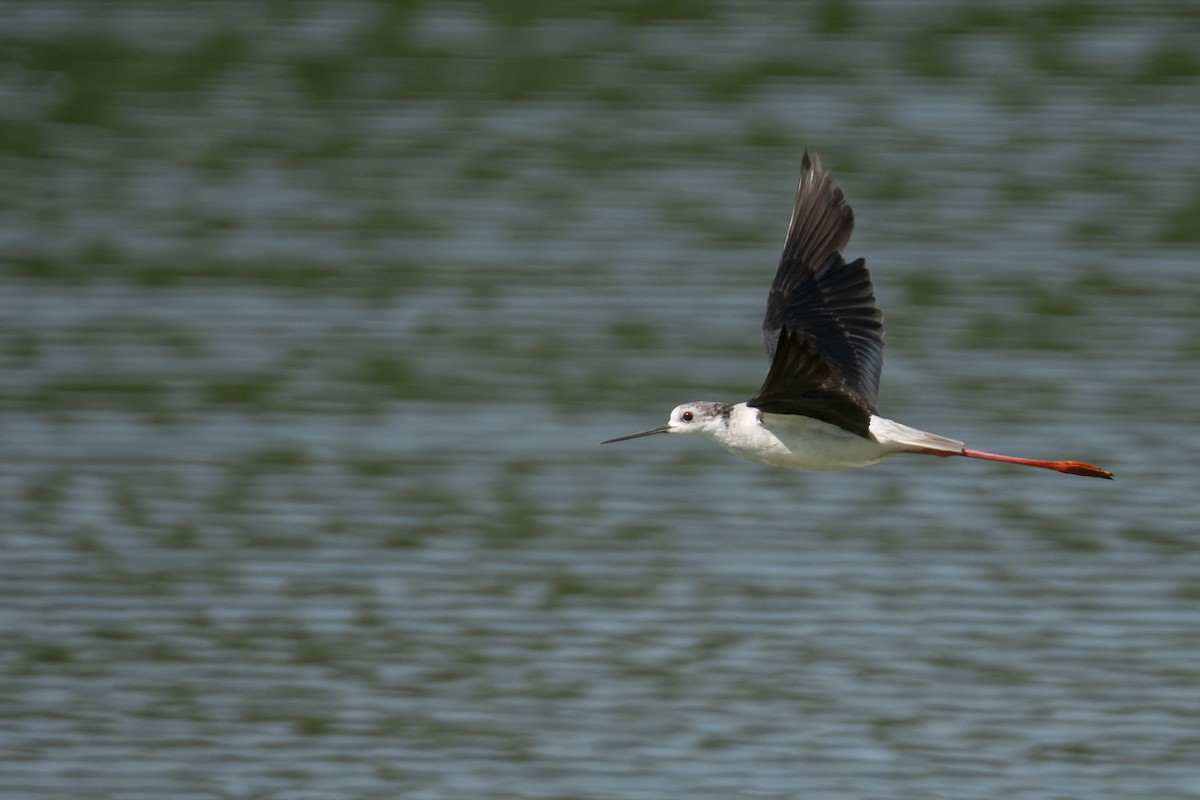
(817, 408)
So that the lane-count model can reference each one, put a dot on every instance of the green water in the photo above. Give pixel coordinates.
(313, 314)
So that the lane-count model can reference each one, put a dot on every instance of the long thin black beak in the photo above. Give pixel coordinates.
(659, 429)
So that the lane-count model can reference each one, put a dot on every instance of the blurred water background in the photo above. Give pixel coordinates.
(314, 312)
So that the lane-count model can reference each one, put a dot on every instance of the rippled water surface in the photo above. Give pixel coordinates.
(313, 314)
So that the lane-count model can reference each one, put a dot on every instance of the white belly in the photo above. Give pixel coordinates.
(784, 440)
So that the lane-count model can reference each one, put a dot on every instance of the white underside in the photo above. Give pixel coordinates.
(795, 442)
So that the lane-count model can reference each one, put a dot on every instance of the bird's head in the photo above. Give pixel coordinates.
(703, 418)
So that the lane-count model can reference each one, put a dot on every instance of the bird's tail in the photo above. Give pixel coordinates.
(912, 440)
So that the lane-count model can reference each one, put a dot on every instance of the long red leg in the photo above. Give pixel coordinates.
(1069, 467)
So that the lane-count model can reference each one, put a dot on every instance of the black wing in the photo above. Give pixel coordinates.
(800, 381)
(825, 303)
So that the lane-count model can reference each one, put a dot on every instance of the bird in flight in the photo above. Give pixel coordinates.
(817, 408)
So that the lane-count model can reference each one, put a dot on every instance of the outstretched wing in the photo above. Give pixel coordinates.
(825, 303)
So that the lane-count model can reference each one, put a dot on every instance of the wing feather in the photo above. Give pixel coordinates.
(821, 299)
(801, 382)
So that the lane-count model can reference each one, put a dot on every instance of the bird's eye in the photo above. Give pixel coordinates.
(687, 416)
